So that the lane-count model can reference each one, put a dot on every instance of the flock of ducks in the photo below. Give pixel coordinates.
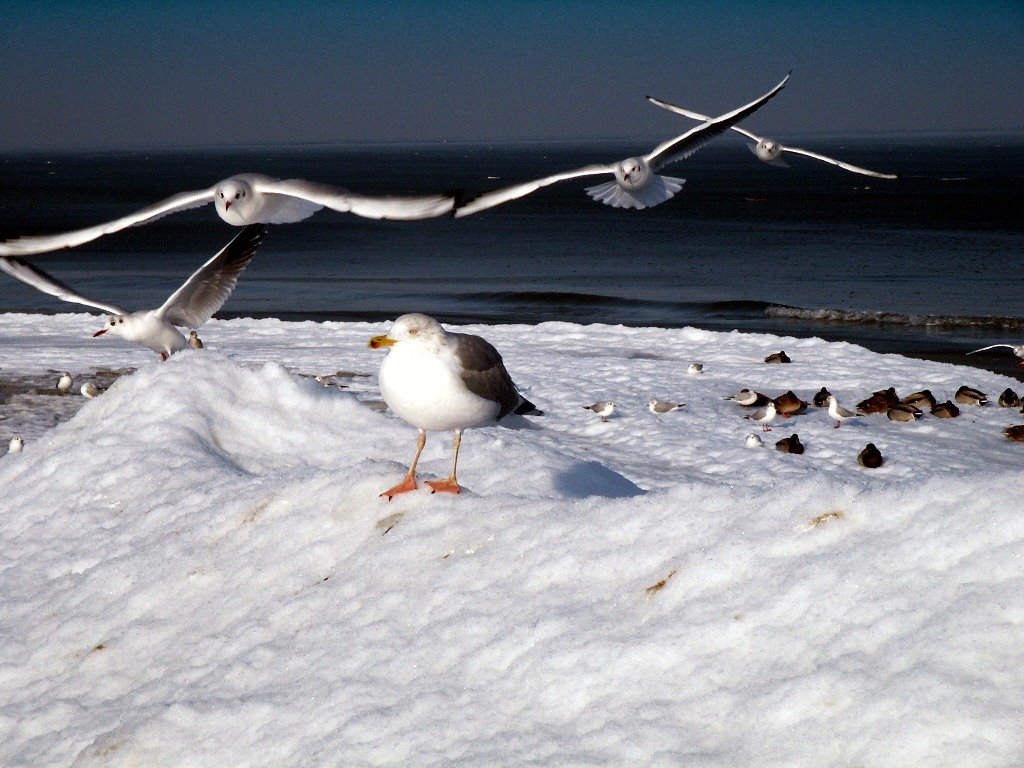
(906, 409)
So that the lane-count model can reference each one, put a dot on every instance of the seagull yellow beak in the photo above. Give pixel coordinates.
(381, 341)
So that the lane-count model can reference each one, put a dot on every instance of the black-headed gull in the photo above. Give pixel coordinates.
(190, 306)
(603, 408)
(769, 150)
(837, 412)
(1018, 350)
(749, 398)
(441, 381)
(248, 198)
(637, 183)
(658, 407)
(764, 416)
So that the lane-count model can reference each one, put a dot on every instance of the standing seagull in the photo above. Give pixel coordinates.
(190, 306)
(837, 412)
(768, 150)
(636, 183)
(248, 198)
(603, 408)
(441, 381)
(64, 382)
(1017, 351)
(765, 416)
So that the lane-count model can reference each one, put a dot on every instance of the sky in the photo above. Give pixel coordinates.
(125, 75)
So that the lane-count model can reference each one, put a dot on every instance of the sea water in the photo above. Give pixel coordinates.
(928, 264)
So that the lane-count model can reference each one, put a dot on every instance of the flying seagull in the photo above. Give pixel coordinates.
(1018, 350)
(637, 183)
(248, 198)
(190, 306)
(769, 150)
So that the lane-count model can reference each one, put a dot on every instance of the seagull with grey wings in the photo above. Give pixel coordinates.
(769, 150)
(1018, 350)
(190, 306)
(637, 183)
(441, 381)
(248, 198)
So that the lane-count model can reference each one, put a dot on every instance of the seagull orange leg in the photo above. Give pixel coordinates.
(409, 483)
(451, 485)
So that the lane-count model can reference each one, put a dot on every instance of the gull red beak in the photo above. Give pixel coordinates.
(100, 332)
(227, 204)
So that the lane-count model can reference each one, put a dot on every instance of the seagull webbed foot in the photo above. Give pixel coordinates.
(409, 484)
(444, 486)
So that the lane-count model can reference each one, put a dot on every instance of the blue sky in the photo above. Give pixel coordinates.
(190, 74)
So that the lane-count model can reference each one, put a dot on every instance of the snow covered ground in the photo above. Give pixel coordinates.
(196, 569)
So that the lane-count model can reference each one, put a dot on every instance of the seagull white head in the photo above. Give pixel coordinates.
(414, 327)
(235, 200)
(632, 173)
(768, 150)
(116, 325)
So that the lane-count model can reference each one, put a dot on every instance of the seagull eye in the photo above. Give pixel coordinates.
(413, 331)
(237, 195)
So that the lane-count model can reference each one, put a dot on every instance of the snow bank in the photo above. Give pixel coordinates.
(197, 569)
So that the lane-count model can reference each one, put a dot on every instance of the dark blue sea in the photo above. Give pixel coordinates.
(928, 265)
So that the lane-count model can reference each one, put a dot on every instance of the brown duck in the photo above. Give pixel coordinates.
(788, 404)
(870, 457)
(922, 399)
(1009, 399)
(1015, 433)
(945, 410)
(970, 396)
(778, 357)
(790, 444)
(879, 402)
(821, 398)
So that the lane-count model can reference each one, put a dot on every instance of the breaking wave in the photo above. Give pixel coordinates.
(860, 317)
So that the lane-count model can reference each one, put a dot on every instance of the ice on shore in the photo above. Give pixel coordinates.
(197, 570)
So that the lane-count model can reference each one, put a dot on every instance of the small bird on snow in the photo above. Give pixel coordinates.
(15, 445)
(870, 457)
(603, 408)
(658, 407)
(64, 382)
(764, 417)
(837, 412)
(90, 390)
